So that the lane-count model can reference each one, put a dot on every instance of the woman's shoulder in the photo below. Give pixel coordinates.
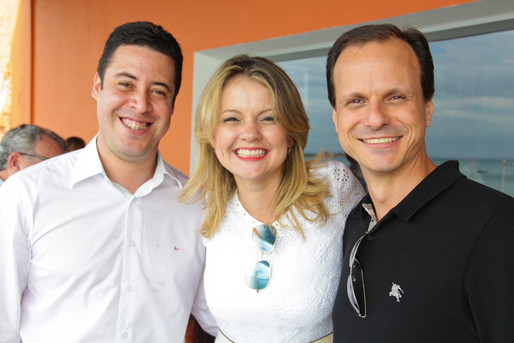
(234, 219)
(332, 169)
(343, 184)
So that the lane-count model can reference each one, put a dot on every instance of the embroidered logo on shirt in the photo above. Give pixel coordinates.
(396, 291)
(177, 248)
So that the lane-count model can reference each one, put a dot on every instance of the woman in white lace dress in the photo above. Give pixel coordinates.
(274, 223)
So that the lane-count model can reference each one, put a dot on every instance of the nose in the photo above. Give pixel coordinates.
(140, 101)
(377, 115)
(251, 131)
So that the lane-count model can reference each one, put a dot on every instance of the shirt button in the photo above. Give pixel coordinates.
(132, 243)
(125, 335)
(129, 288)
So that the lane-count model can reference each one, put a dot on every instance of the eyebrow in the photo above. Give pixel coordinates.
(359, 94)
(343, 99)
(231, 110)
(130, 76)
(354, 94)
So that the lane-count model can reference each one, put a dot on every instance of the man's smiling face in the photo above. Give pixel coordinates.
(380, 114)
(134, 103)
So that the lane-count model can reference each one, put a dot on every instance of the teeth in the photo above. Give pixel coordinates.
(250, 153)
(380, 140)
(134, 125)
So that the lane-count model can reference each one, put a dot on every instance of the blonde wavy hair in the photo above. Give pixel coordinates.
(211, 183)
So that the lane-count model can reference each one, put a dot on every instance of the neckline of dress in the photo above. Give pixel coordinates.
(242, 210)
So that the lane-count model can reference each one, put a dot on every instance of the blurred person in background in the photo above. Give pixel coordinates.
(74, 143)
(27, 145)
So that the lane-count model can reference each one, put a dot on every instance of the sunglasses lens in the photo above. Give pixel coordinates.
(258, 275)
(265, 237)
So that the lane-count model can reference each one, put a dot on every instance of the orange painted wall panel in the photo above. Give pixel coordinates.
(68, 37)
(21, 61)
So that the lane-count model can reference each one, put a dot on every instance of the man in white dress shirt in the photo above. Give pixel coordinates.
(94, 246)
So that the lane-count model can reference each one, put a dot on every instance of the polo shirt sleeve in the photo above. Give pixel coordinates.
(489, 279)
(14, 256)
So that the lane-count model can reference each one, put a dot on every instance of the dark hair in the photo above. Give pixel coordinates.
(372, 33)
(74, 143)
(23, 138)
(143, 33)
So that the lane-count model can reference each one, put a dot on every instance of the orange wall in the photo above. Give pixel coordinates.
(68, 37)
(21, 62)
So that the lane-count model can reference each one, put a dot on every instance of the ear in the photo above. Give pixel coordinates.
(172, 108)
(429, 110)
(213, 140)
(97, 86)
(290, 141)
(212, 145)
(334, 116)
(14, 162)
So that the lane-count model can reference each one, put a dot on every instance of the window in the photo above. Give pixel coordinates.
(473, 120)
(473, 51)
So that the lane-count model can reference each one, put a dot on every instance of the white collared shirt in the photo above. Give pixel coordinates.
(91, 262)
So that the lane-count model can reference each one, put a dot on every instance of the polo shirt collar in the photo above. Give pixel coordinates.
(435, 183)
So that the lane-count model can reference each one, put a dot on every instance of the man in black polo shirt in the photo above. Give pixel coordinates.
(428, 254)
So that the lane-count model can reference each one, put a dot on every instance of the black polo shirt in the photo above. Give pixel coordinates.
(439, 267)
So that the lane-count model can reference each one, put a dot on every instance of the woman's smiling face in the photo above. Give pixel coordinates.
(248, 141)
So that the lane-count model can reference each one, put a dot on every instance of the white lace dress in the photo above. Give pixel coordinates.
(296, 305)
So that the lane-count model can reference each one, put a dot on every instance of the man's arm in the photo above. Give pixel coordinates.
(14, 258)
(202, 313)
(489, 279)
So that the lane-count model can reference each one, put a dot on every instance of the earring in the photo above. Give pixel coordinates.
(289, 150)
